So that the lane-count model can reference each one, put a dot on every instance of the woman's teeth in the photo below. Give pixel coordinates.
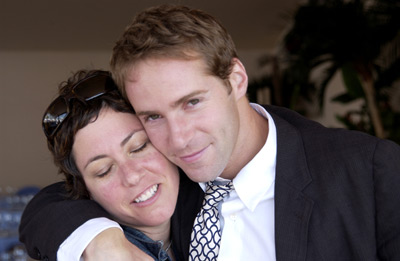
(147, 194)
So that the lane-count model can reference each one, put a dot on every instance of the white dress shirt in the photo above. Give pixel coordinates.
(248, 212)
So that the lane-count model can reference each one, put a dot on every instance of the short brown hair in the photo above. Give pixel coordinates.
(80, 114)
(174, 31)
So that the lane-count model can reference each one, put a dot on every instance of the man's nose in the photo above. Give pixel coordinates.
(179, 133)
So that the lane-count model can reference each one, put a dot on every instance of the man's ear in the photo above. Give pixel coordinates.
(238, 79)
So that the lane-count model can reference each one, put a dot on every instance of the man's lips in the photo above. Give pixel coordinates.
(194, 156)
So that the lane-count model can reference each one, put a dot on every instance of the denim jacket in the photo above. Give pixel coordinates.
(149, 246)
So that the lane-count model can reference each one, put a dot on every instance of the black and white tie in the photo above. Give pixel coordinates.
(206, 233)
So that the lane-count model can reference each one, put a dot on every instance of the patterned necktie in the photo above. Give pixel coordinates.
(206, 233)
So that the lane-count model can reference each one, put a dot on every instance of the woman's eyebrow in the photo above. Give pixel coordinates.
(123, 143)
(94, 159)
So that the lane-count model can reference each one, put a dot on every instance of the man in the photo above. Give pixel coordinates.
(301, 191)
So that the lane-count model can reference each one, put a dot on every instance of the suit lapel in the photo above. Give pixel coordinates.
(292, 208)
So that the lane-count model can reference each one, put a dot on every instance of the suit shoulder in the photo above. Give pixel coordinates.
(315, 133)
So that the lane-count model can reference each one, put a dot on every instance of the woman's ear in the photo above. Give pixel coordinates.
(238, 79)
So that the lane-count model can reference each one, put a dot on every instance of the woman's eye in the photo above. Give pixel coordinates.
(104, 173)
(136, 150)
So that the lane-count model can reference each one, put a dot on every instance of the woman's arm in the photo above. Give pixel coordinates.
(50, 218)
(112, 244)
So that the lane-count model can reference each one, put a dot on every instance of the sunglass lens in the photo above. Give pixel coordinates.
(94, 87)
(54, 115)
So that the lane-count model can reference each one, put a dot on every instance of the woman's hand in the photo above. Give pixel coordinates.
(111, 244)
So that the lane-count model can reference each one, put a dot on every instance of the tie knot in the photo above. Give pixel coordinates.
(215, 193)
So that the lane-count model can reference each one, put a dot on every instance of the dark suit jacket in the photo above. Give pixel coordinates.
(337, 197)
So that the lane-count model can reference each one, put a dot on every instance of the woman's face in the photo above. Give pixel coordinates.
(124, 173)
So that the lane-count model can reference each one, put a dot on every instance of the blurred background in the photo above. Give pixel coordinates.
(44, 41)
(334, 61)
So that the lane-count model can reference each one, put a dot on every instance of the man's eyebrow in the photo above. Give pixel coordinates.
(144, 113)
(173, 104)
(185, 98)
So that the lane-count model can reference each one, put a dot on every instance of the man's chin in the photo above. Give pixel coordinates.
(200, 176)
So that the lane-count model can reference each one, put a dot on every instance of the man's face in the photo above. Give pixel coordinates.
(188, 114)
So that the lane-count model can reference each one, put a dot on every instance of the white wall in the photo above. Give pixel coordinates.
(29, 82)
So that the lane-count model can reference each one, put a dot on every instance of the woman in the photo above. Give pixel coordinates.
(104, 153)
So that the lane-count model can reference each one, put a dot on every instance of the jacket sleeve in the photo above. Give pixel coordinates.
(387, 199)
(50, 218)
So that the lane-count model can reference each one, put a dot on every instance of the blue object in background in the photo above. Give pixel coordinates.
(12, 204)
(28, 191)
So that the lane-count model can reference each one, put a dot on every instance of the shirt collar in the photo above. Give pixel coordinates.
(255, 182)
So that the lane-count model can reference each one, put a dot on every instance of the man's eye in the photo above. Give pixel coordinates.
(193, 101)
(152, 117)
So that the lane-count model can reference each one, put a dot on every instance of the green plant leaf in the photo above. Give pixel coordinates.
(352, 81)
(344, 98)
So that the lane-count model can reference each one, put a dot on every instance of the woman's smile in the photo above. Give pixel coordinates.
(147, 194)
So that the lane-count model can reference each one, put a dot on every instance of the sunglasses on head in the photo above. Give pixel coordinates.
(89, 88)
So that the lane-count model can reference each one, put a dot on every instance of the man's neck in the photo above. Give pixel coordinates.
(253, 134)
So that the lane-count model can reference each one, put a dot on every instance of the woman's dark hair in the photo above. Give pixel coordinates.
(81, 113)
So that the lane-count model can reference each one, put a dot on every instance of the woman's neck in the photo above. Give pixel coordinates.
(161, 233)
(158, 233)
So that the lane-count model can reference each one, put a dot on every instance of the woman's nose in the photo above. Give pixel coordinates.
(131, 172)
